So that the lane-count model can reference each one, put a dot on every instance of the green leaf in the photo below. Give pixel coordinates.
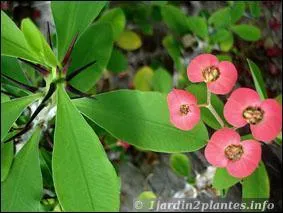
(23, 189)
(174, 50)
(4, 98)
(180, 164)
(95, 44)
(71, 18)
(247, 137)
(143, 79)
(162, 81)
(141, 119)
(257, 184)
(222, 179)
(84, 178)
(118, 62)
(258, 79)
(254, 7)
(13, 42)
(200, 91)
(247, 32)
(220, 35)
(175, 19)
(37, 42)
(228, 43)
(10, 66)
(221, 18)
(7, 154)
(129, 40)
(198, 26)
(147, 195)
(46, 170)
(11, 110)
(224, 57)
(116, 18)
(237, 11)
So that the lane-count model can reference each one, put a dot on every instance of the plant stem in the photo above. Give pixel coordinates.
(212, 110)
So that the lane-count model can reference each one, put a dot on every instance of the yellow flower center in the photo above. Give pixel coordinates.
(210, 74)
(184, 109)
(234, 152)
(253, 115)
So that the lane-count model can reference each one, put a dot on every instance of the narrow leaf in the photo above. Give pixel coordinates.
(258, 79)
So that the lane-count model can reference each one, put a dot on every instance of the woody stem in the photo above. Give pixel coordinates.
(212, 110)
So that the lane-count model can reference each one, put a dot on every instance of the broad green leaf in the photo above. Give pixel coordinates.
(129, 40)
(71, 18)
(11, 110)
(174, 50)
(257, 184)
(220, 35)
(7, 154)
(94, 44)
(23, 189)
(258, 79)
(117, 62)
(143, 79)
(222, 179)
(198, 26)
(84, 178)
(116, 18)
(200, 91)
(11, 67)
(175, 19)
(4, 98)
(227, 44)
(180, 164)
(224, 57)
(237, 11)
(37, 42)
(13, 42)
(162, 81)
(254, 7)
(247, 32)
(141, 119)
(221, 18)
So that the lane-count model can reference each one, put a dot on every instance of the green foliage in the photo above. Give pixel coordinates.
(254, 7)
(162, 81)
(117, 62)
(247, 32)
(220, 18)
(84, 178)
(200, 91)
(258, 79)
(222, 179)
(237, 11)
(11, 110)
(129, 40)
(141, 119)
(180, 164)
(22, 189)
(91, 46)
(257, 184)
(198, 26)
(143, 79)
(71, 18)
(7, 155)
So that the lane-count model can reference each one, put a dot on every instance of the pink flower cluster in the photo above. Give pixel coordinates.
(243, 107)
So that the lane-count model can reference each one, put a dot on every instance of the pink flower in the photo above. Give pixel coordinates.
(245, 107)
(220, 77)
(225, 149)
(184, 112)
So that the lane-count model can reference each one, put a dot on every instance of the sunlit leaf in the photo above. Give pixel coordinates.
(162, 81)
(143, 79)
(129, 40)
(247, 32)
